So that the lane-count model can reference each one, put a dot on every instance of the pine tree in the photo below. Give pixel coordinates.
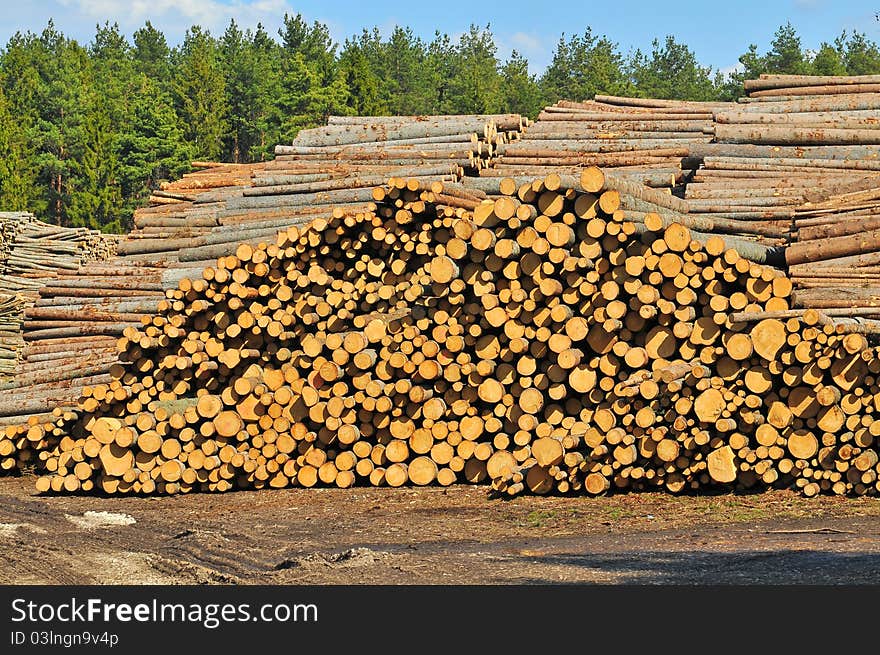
(672, 71)
(61, 104)
(519, 92)
(584, 66)
(200, 93)
(362, 80)
(312, 84)
(828, 61)
(18, 179)
(152, 55)
(475, 83)
(112, 62)
(861, 56)
(786, 54)
(151, 149)
(95, 197)
(407, 73)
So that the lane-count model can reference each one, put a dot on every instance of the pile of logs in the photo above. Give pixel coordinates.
(29, 246)
(800, 154)
(538, 341)
(645, 139)
(206, 213)
(11, 315)
(32, 252)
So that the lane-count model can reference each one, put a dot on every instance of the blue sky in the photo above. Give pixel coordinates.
(717, 31)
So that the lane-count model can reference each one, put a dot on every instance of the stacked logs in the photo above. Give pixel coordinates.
(800, 154)
(539, 340)
(11, 314)
(29, 246)
(336, 166)
(32, 252)
(645, 139)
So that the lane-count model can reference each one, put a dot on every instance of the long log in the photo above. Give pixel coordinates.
(794, 135)
(827, 89)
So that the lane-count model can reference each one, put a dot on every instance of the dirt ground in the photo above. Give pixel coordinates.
(435, 536)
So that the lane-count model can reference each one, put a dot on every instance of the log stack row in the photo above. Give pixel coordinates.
(802, 154)
(644, 139)
(30, 247)
(538, 341)
(32, 252)
(335, 166)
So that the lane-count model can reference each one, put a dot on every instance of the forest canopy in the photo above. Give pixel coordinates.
(88, 130)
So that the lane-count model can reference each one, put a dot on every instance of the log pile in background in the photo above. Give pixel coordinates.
(802, 153)
(11, 315)
(645, 146)
(538, 340)
(644, 139)
(337, 166)
(29, 247)
(32, 252)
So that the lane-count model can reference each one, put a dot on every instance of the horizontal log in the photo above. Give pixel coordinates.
(861, 152)
(794, 135)
(574, 116)
(501, 121)
(777, 81)
(656, 102)
(798, 104)
(827, 89)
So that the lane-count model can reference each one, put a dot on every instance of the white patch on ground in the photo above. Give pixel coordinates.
(353, 557)
(10, 529)
(92, 520)
(126, 568)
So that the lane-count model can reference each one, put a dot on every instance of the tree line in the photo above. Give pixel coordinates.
(87, 131)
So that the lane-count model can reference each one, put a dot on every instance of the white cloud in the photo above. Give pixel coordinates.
(526, 43)
(530, 46)
(211, 14)
(727, 70)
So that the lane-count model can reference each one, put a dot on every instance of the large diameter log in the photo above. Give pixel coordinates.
(645, 193)
(135, 246)
(572, 129)
(580, 148)
(501, 121)
(776, 81)
(840, 152)
(334, 135)
(794, 135)
(827, 89)
(321, 198)
(865, 119)
(380, 149)
(329, 185)
(688, 105)
(571, 114)
(842, 102)
(814, 251)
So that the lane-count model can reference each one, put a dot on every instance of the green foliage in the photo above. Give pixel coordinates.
(312, 84)
(474, 84)
(828, 61)
(786, 54)
(584, 66)
(151, 54)
(519, 90)
(860, 55)
(672, 71)
(200, 93)
(95, 200)
(18, 183)
(151, 149)
(87, 132)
